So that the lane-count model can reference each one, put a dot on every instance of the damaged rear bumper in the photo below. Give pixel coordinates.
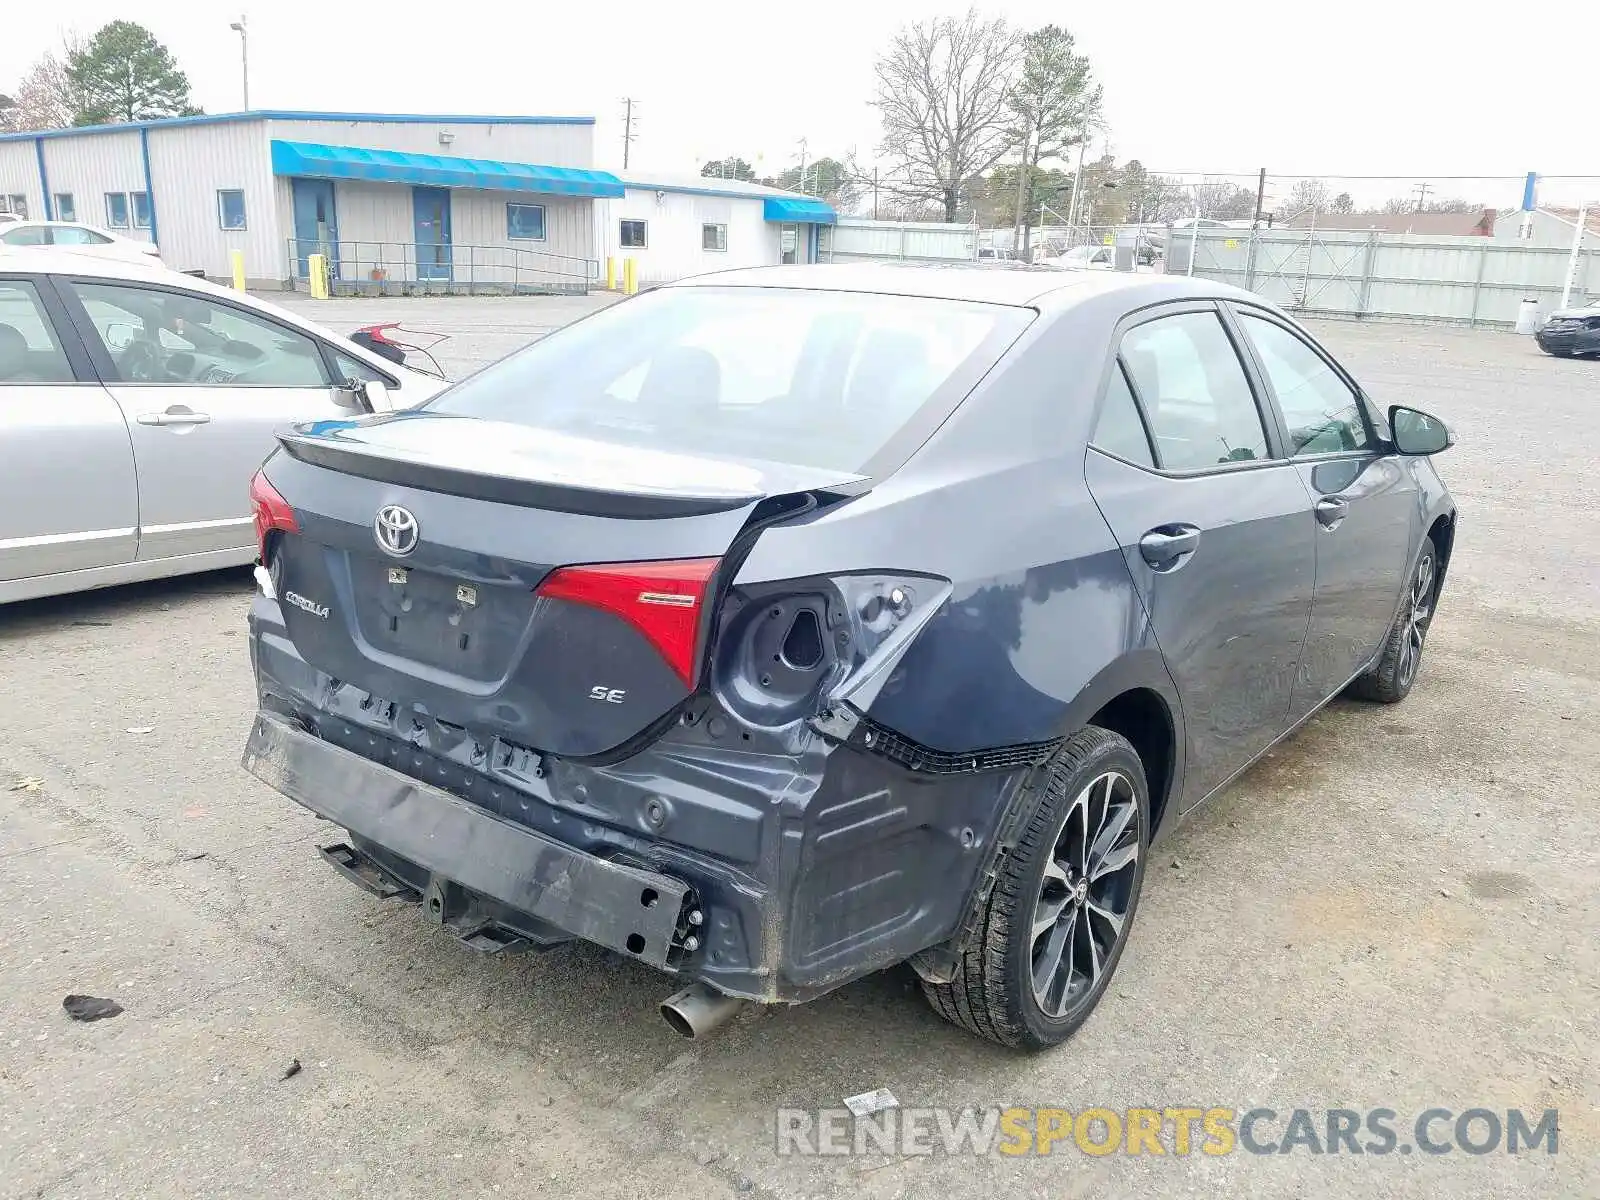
(780, 869)
(469, 857)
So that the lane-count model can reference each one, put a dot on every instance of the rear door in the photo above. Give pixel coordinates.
(1216, 528)
(68, 499)
(204, 386)
(1363, 496)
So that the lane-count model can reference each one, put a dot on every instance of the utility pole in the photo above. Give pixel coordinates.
(874, 193)
(1261, 198)
(802, 164)
(244, 56)
(1422, 195)
(627, 129)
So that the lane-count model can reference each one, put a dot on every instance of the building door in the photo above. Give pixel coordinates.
(430, 210)
(316, 225)
(789, 244)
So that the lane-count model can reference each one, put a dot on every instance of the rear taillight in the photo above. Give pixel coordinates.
(664, 601)
(271, 512)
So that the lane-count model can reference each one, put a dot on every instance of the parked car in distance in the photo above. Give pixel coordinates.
(1083, 258)
(778, 626)
(1571, 332)
(81, 238)
(136, 404)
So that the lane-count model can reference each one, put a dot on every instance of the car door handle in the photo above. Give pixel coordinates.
(174, 417)
(1167, 547)
(1331, 510)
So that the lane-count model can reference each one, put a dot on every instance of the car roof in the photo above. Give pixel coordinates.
(73, 260)
(1022, 285)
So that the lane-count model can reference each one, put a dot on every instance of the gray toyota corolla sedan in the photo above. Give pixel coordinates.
(780, 626)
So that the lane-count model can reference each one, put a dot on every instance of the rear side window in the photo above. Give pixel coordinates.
(76, 235)
(809, 378)
(1120, 430)
(1195, 392)
(30, 352)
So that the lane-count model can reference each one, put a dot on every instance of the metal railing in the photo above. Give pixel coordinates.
(363, 268)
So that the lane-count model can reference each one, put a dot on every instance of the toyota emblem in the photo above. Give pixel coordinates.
(396, 530)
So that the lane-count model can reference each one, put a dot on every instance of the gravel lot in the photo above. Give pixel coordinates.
(1398, 909)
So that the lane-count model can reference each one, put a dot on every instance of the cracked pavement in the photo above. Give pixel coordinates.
(1398, 908)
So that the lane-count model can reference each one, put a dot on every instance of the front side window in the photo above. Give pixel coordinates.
(1322, 413)
(348, 369)
(811, 378)
(631, 235)
(1121, 430)
(1195, 392)
(116, 210)
(66, 209)
(179, 339)
(141, 209)
(230, 208)
(29, 349)
(713, 237)
(525, 222)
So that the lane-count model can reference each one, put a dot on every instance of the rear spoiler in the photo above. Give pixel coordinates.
(313, 447)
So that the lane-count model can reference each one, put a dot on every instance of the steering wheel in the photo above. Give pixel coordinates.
(141, 363)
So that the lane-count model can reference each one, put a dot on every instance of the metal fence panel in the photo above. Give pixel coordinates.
(913, 241)
(1466, 280)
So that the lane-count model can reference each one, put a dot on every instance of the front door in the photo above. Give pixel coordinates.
(68, 496)
(1217, 532)
(203, 386)
(789, 244)
(316, 225)
(1364, 499)
(430, 208)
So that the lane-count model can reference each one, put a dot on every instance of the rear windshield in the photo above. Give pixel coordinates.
(812, 378)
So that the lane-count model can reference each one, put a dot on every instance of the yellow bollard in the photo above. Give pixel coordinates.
(630, 276)
(611, 274)
(238, 269)
(317, 268)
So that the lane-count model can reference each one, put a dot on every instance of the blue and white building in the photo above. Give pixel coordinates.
(398, 200)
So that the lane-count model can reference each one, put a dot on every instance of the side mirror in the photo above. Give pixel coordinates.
(1416, 432)
(363, 396)
(376, 394)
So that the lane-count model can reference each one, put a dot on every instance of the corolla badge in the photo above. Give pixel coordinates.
(310, 606)
(396, 530)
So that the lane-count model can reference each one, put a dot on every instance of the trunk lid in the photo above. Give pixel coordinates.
(434, 568)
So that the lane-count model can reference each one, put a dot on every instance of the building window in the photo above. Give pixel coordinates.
(117, 210)
(632, 235)
(66, 210)
(230, 208)
(141, 209)
(17, 205)
(713, 237)
(525, 222)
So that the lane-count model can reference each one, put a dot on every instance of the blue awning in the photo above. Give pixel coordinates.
(316, 161)
(798, 210)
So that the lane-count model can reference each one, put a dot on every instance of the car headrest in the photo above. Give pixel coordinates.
(13, 346)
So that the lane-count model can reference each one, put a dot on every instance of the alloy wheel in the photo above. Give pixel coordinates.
(1419, 608)
(1086, 893)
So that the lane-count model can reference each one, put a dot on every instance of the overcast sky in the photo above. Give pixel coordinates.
(1403, 88)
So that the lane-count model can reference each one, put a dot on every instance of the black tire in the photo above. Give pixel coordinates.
(993, 993)
(1391, 680)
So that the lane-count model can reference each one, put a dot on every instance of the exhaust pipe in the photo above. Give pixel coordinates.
(698, 1010)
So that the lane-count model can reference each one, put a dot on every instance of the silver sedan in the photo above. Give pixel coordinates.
(136, 403)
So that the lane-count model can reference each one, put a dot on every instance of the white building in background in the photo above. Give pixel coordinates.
(398, 201)
(676, 226)
(1553, 228)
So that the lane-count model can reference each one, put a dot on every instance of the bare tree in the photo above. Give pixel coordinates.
(1222, 201)
(1342, 203)
(45, 97)
(1309, 195)
(1054, 104)
(942, 90)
